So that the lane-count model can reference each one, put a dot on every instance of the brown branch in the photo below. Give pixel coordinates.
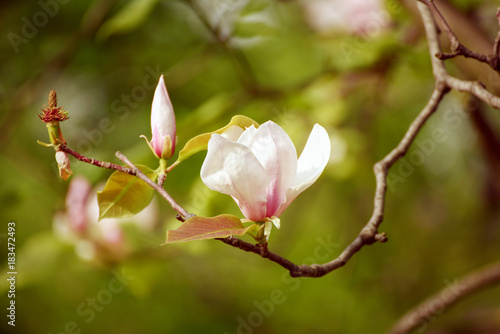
(161, 179)
(426, 311)
(242, 66)
(369, 234)
(98, 163)
(132, 170)
(457, 48)
(454, 42)
(137, 172)
(475, 88)
(496, 44)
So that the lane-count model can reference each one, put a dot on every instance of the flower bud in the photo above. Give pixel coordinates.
(63, 164)
(162, 123)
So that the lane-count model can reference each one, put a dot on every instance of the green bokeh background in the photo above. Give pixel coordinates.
(104, 57)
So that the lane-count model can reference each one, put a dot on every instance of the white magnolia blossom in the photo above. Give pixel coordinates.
(258, 167)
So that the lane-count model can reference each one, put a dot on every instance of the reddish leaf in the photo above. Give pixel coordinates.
(199, 228)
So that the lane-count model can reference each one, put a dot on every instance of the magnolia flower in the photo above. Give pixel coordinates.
(354, 16)
(162, 123)
(94, 239)
(260, 170)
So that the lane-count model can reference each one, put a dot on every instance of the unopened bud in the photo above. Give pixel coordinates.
(52, 99)
(63, 164)
(51, 115)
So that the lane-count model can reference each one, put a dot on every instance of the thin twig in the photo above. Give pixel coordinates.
(475, 88)
(369, 234)
(496, 44)
(161, 179)
(98, 163)
(426, 311)
(241, 63)
(454, 43)
(132, 170)
(434, 305)
(158, 188)
(457, 48)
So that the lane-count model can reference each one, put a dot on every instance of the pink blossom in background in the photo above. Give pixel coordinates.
(355, 16)
(76, 200)
(93, 239)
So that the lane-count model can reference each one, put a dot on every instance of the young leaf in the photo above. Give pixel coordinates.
(133, 13)
(199, 228)
(200, 142)
(125, 195)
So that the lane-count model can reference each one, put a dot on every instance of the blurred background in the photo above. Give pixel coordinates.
(359, 68)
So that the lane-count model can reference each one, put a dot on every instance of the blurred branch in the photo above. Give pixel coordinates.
(243, 67)
(490, 144)
(457, 48)
(447, 297)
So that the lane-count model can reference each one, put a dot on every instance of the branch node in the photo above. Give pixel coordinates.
(264, 252)
(368, 236)
(381, 237)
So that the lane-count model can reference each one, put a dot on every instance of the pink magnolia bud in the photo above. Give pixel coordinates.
(162, 123)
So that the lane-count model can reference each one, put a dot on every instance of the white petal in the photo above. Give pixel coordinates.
(232, 133)
(276, 221)
(268, 226)
(232, 169)
(311, 164)
(275, 151)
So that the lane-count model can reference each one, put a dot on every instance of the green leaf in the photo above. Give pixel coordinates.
(199, 228)
(125, 195)
(129, 17)
(200, 142)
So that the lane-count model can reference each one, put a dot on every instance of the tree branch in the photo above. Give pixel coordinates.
(369, 234)
(98, 163)
(137, 172)
(420, 315)
(437, 303)
(132, 170)
(457, 48)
